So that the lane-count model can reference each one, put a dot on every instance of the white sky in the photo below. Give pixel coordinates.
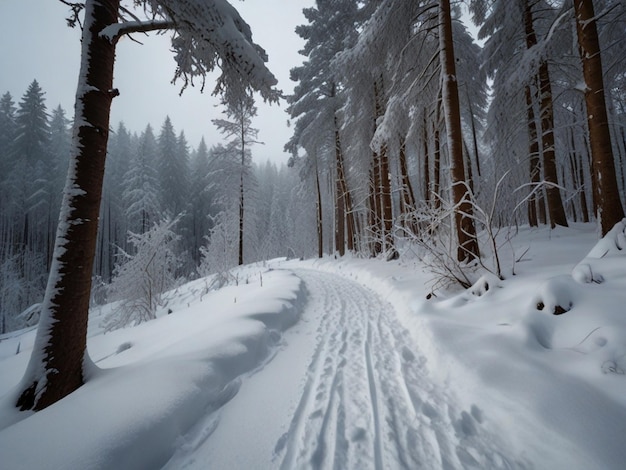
(35, 43)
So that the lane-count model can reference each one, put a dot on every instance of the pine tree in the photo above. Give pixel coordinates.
(201, 209)
(59, 361)
(141, 186)
(172, 171)
(317, 101)
(239, 129)
(7, 135)
(31, 167)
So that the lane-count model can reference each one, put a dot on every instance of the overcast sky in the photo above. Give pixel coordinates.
(35, 43)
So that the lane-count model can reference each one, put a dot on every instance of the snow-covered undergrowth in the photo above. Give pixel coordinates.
(154, 380)
(542, 353)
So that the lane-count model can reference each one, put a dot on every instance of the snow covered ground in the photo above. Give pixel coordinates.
(345, 364)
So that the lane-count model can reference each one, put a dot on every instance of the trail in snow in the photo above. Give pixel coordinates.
(349, 390)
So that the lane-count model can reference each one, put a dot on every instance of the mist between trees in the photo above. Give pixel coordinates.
(407, 136)
(150, 176)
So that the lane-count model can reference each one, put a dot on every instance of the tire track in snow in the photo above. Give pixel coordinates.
(367, 401)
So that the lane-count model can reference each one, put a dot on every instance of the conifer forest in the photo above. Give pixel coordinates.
(407, 129)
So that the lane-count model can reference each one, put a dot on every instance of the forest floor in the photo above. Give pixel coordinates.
(344, 364)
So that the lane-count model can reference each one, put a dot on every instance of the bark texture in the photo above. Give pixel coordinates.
(546, 119)
(56, 368)
(465, 229)
(606, 193)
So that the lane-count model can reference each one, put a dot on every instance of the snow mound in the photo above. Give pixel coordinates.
(154, 380)
(606, 259)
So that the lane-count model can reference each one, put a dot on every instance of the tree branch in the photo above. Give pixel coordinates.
(115, 31)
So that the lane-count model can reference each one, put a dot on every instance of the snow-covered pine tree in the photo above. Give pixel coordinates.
(141, 185)
(59, 363)
(201, 208)
(32, 165)
(172, 171)
(316, 103)
(112, 233)
(238, 128)
(7, 135)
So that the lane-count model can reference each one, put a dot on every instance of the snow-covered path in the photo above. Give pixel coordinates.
(348, 390)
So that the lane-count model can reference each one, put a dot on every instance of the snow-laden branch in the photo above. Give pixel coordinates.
(115, 31)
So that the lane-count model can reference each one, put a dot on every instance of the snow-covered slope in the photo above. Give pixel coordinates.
(526, 372)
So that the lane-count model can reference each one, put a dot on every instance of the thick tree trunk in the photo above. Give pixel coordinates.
(465, 229)
(57, 364)
(609, 207)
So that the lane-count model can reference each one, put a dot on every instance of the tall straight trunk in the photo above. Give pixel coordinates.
(57, 364)
(386, 204)
(546, 118)
(407, 197)
(242, 135)
(474, 133)
(340, 196)
(609, 207)
(469, 174)
(533, 154)
(553, 193)
(320, 225)
(466, 232)
(241, 212)
(375, 219)
(579, 173)
(384, 188)
(426, 165)
(436, 193)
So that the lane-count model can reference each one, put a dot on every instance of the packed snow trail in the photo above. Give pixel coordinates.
(348, 390)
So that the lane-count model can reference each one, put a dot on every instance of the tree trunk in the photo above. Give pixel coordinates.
(407, 197)
(546, 118)
(386, 205)
(320, 225)
(553, 193)
(375, 219)
(426, 166)
(533, 154)
(384, 184)
(340, 200)
(607, 198)
(57, 364)
(466, 232)
(436, 194)
(579, 175)
(241, 212)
